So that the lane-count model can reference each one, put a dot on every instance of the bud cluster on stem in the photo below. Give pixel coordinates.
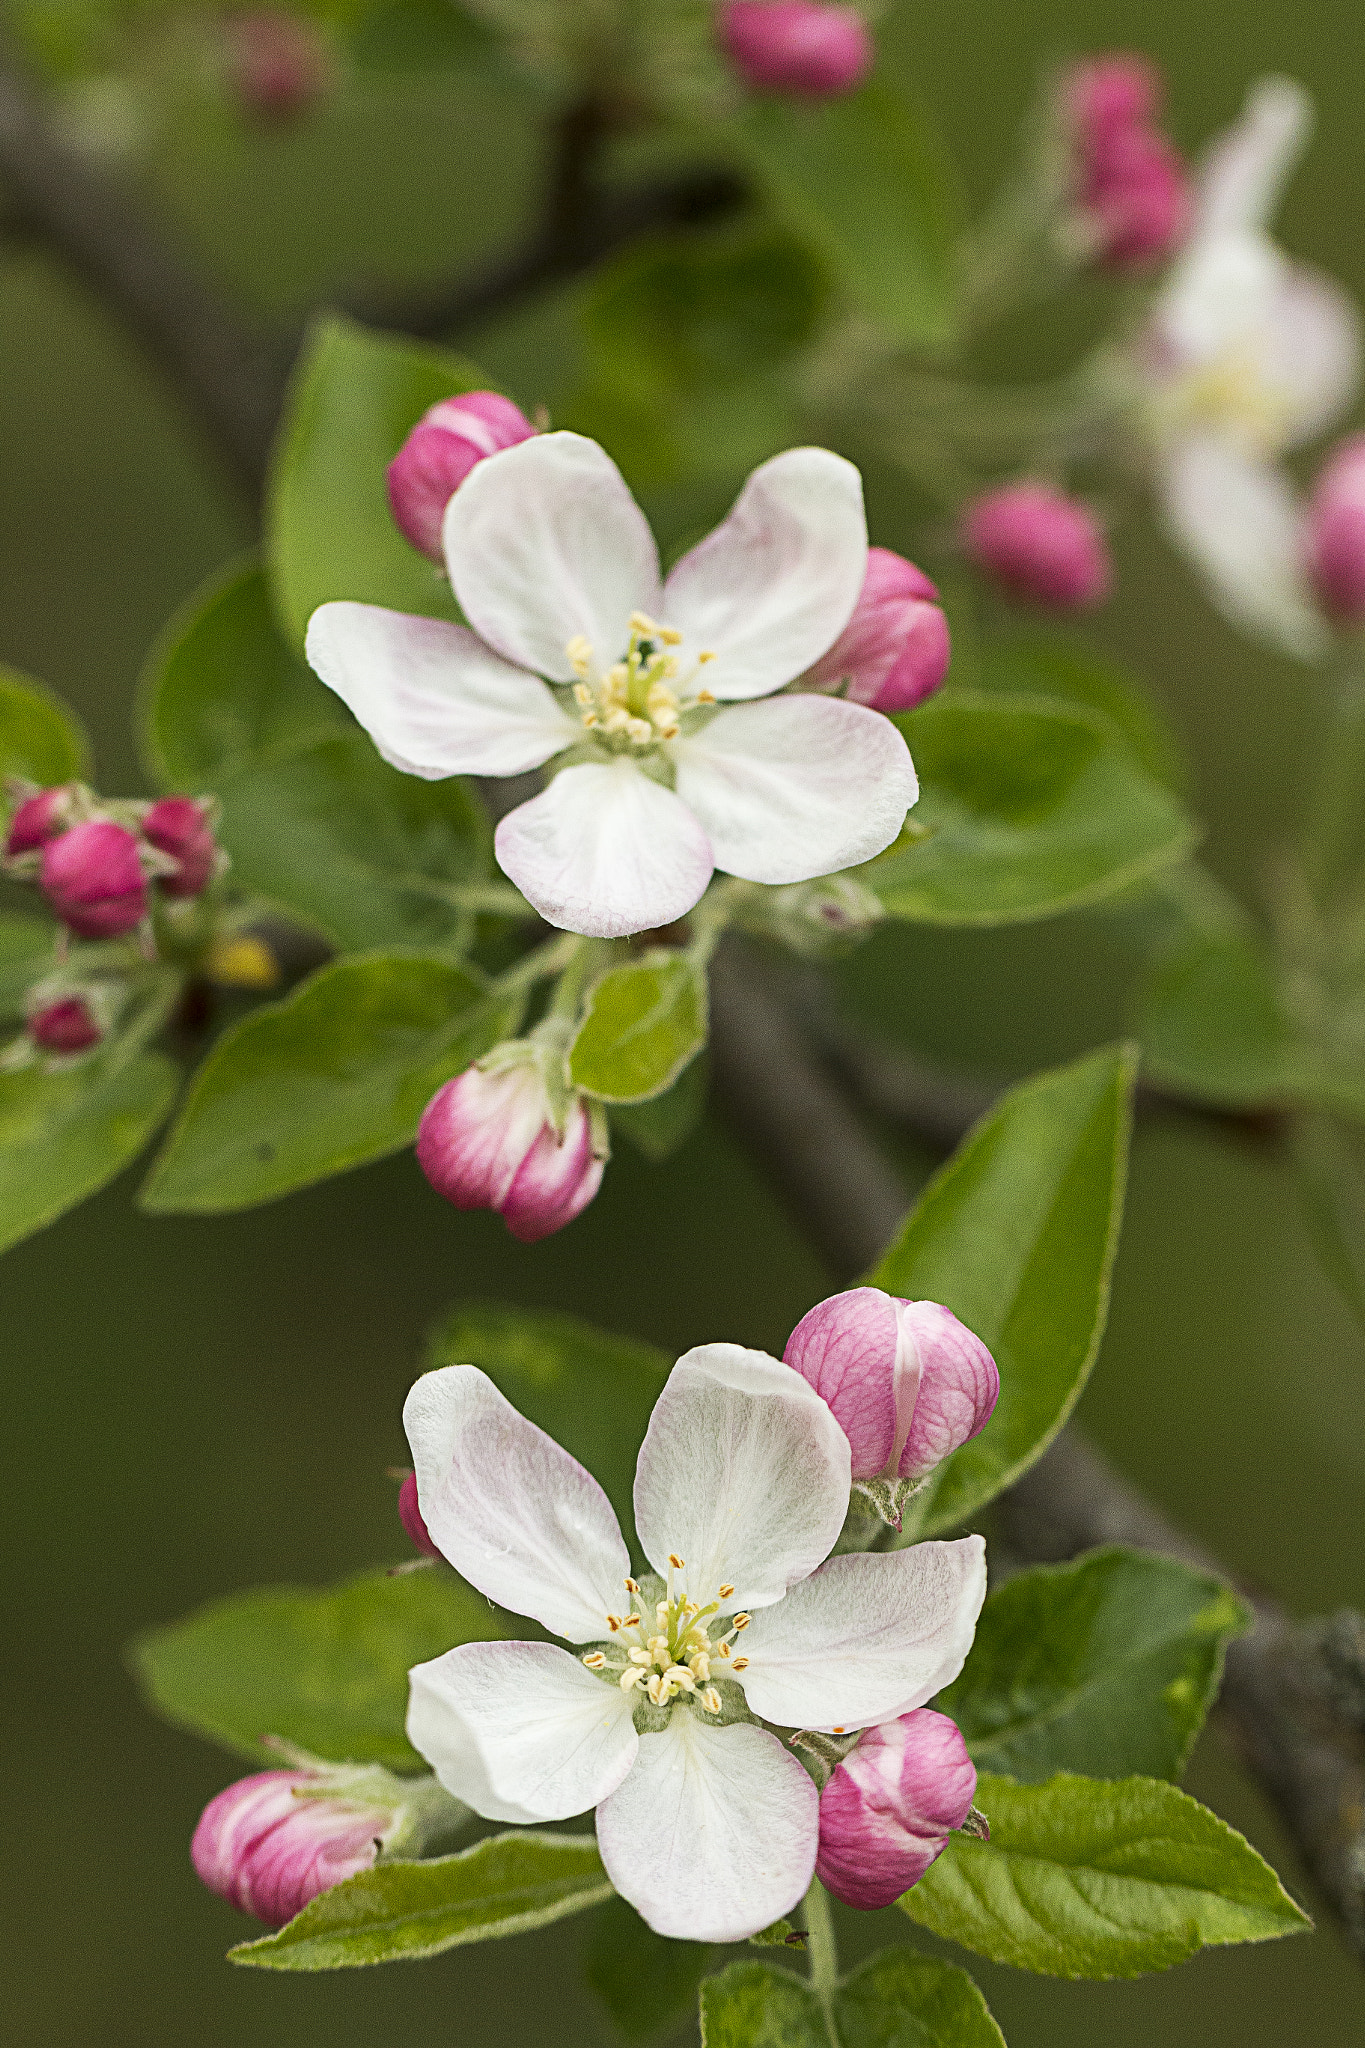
(1131, 189)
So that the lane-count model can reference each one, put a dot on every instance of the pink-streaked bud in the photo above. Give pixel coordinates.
(1040, 544)
(894, 650)
(1336, 533)
(488, 1141)
(410, 1515)
(65, 1027)
(92, 876)
(888, 1809)
(279, 64)
(183, 829)
(795, 46)
(40, 818)
(907, 1382)
(440, 452)
(1131, 184)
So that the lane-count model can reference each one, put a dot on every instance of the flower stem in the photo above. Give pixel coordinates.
(1331, 840)
(822, 1949)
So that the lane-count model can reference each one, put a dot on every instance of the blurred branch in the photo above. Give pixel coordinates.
(1294, 1693)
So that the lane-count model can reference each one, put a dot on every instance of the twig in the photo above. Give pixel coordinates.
(1298, 1723)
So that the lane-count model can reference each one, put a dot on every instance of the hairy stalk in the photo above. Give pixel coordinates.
(822, 1951)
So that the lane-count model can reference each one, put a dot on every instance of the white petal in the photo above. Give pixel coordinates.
(776, 583)
(543, 543)
(512, 1511)
(713, 1834)
(432, 697)
(1221, 295)
(797, 787)
(1239, 521)
(743, 1473)
(1312, 352)
(867, 1638)
(605, 851)
(1245, 168)
(520, 1731)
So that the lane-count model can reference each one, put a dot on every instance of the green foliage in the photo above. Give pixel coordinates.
(1017, 1234)
(592, 1392)
(1033, 808)
(645, 1980)
(314, 820)
(1213, 1025)
(644, 1022)
(663, 1124)
(25, 956)
(1105, 1666)
(400, 1912)
(39, 738)
(1088, 1878)
(893, 2000)
(1038, 665)
(355, 397)
(336, 1074)
(326, 1670)
(864, 177)
(1328, 1167)
(65, 1134)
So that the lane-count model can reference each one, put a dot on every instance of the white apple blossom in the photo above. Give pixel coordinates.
(1248, 356)
(579, 650)
(707, 1822)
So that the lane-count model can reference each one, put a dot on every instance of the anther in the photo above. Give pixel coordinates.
(725, 1649)
(740, 1663)
(631, 1586)
(707, 654)
(706, 696)
(595, 1661)
(630, 1678)
(678, 1563)
(726, 1591)
(710, 1699)
(740, 1621)
(613, 1622)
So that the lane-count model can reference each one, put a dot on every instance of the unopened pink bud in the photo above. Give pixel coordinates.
(888, 1809)
(279, 63)
(907, 1382)
(40, 818)
(66, 1026)
(1104, 94)
(182, 828)
(92, 876)
(796, 46)
(440, 452)
(1336, 533)
(410, 1515)
(1039, 544)
(270, 1843)
(894, 651)
(1131, 184)
(487, 1141)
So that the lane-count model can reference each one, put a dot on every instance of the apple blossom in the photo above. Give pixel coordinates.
(894, 650)
(93, 878)
(65, 1026)
(797, 46)
(440, 452)
(1039, 544)
(183, 830)
(706, 1822)
(1248, 355)
(40, 817)
(889, 1807)
(493, 1138)
(578, 650)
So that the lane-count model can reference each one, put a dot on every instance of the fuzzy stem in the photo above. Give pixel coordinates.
(822, 1951)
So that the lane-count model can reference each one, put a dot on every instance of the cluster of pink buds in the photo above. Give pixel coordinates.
(1131, 190)
(438, 455)
(97, 864)
(894, 651)
(810, 50)
(888, 1808)
(279, 65)
(1336, 534)
(495, 1137)
(1039, 545)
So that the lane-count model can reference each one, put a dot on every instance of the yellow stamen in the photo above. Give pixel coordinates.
(595, 1661)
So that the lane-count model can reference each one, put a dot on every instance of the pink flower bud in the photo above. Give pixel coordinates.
(1131, 185)
(908, 1383)
(488, 1141)
(66, 1026)
(796, 46)
(1105, 94)
(182, 828)
(1039, 544)
(1336, 533)
(894, 650)
(888, 1809)
(40, 818)
(410, 1515)
(92, 876)
(440, 452)
(270, 1843)
(278, 63)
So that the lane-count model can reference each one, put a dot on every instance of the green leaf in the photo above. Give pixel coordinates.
(894, 2000)
(1212, 1025)
(663, 1124)
(314, 820)
(1104, 1666)
(326, 1670)
(591, 1392)
(1017, 1235)
(64, 1134)
(40, 739)
(866, 179)
(646, 1981)
(400, 1912)
(755, 2005)
(1032, 809)
(1087, 1878)
(1037, 665)
(26, 955)
(354, 399)
(336, 1074)
(644, 1023)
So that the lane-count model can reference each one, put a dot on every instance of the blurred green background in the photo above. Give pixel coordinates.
(197, 1406)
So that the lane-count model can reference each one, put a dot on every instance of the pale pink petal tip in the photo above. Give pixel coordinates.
(268, 1852)
(447, 442)
(895, 649)
(959, 1385)
(889, 1807)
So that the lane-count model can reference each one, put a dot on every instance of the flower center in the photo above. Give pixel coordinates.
(669, 1647)
(1233, 393)
(639, 700)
